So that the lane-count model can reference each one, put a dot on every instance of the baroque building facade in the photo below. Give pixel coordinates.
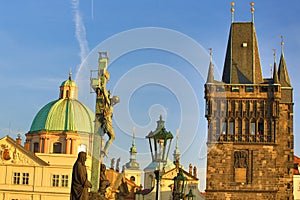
(250, 124)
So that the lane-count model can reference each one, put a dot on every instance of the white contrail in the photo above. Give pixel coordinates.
(80, 32)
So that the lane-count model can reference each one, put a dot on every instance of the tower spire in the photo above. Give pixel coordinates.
(210, 75)
(252, 11)
(176, 153)
(232, 11)
(283, 74)
(275, 75)
(132, 164)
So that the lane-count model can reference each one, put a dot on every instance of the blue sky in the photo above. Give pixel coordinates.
(40, 42)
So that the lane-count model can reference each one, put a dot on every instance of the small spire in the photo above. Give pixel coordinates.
(176, 153)
(252, 11)
(210, 76)
(232, 11)
(70, 74)
(275, 74)
(133, 137)
(283, 75)
(210, 54)
(282, 44)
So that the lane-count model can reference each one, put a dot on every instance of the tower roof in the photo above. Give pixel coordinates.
(242, 61)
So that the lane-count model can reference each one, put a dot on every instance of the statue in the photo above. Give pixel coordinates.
(195, 171)
(106, 114)
(118, 165)
(80, 183)
(104, 182)
(112, 163)
(190, 168)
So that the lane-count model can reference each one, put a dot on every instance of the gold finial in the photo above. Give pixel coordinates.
(282, 43)
(252, 10)
(232, 11)
(210, 54)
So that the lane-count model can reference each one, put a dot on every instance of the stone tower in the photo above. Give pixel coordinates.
(250, 124)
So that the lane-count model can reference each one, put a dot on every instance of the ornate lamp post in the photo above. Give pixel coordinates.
(190, 195)
(160, 142)
(179, 185)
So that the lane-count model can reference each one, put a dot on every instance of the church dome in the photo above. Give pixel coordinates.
(66, 114)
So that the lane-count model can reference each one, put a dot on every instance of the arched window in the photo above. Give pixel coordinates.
(57, 147)
(132, 178)
(261, 127)
(223, 127)
(36, 147)
(252, 127)
(231, 126)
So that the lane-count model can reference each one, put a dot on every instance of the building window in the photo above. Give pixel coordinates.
(132, 178)
(57, 147)
(17, 176)
(288, 170)
(231, 127)
(64, 180)
(21, 176)
(252, 128)
(55, 180)
(25, 179)
(36, 147)
(249, 89)
(223, 128)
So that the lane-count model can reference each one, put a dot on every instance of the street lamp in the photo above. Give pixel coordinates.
(179, 185)
(160, 142)
(190, 195)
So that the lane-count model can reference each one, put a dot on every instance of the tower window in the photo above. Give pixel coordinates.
(261, 128)
(235, 89)
(224, 127)
(231, 127)
(249, 89)
(132, 178)
(57, 147)
(252, 128)
(36, 147)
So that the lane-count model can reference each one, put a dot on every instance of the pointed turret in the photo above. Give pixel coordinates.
(176, 153)
(242, 61)
(132, 164)
(210, 75)
(275, 74)
(283, 74)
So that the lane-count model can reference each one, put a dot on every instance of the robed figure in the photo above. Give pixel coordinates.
(80, 183)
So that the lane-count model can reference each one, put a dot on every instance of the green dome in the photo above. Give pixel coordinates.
(64, 115)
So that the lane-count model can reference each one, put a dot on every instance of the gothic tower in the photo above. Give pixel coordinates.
(250, 124)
